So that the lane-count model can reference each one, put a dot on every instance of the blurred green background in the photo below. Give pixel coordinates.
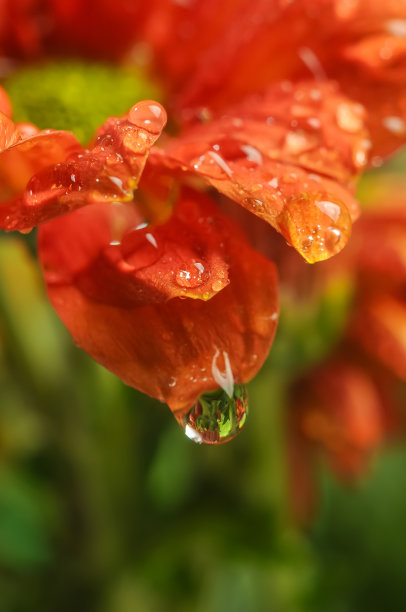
(106, 506)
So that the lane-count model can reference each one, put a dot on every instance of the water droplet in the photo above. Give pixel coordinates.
(300, 141)
(219, 284)
(148, 115)
(199, 266)
(332, 237)
(312, 62)
(397, 27)
(316, 226)
(396, 125)
(192, 276)
(253, 155)
(172, 382)
(151, 239)
(220, 162)
(216, 418)
(350, 117)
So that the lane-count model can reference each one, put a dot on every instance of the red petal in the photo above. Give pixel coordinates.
(342, 409)
(380, 247)
(110, 170)
(265, 152)
(380, 327)
(21, 27)
(104, 29)
(114, 299)
(246, 45)
(120, 260)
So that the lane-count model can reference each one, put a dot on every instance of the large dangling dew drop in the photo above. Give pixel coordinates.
(216, 417)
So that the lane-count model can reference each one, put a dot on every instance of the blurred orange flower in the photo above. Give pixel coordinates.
(352, 403)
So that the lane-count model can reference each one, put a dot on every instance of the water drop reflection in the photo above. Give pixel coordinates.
(216, 418)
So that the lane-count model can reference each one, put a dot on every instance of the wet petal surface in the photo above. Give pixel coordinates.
(108, 171)
(290, 157)
(173, 349)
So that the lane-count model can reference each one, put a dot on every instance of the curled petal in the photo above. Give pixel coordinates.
(113, 256)
(25, 152)
(125, 305)
(110, 170)
(290, 157)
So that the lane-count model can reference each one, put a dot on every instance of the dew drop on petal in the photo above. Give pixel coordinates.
(300, 141)
(216, 418)
(316, 226)
(396, 125)
(350, 117)
(191, 276)
(148, 115)
(397, 27)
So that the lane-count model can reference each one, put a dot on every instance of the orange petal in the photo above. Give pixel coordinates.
(380, 327)
(380, 245)
(5, 104)
(246, 45)
(110, 170)
(342, 409)
(120, 260)
(290, 157)
(124, 304)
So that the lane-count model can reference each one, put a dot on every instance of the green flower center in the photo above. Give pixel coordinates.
(76, 96)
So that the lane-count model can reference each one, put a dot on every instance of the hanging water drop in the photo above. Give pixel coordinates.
(316, 225)
(148, 115)
(216, 418)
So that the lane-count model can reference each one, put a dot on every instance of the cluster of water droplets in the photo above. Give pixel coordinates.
(217, 417)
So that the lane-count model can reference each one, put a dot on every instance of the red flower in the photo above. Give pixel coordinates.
(268, 96)
(351, 404)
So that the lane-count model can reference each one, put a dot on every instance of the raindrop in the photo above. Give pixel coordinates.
(300, 141)
(151, 239)
(220, 162)
(350, 117)
(253, 155)
(312, 62)
(397, 27)
(216, 418)
(191, 277)
(396, 125)
(317, 227)
(148, 115)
